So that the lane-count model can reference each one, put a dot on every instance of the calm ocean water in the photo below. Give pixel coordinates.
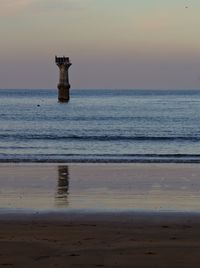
(100, 126)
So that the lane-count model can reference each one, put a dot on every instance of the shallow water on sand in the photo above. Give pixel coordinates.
(143, 187)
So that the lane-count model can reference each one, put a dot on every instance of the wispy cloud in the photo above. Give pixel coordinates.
(15, 7)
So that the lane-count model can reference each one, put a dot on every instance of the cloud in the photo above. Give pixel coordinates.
(17, 7)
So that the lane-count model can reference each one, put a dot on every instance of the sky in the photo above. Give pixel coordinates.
(136, 44)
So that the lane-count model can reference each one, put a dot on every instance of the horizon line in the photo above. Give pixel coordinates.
(162, 89)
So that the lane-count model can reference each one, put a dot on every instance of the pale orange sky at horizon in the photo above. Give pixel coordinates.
(111, 43)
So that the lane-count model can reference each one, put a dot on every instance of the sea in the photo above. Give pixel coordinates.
(116, 126)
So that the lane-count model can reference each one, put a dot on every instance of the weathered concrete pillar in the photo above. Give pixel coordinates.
(63, 87)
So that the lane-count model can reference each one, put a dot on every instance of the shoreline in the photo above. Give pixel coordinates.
(179, 160)
(32, 163)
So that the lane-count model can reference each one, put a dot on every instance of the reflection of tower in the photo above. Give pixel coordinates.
(63, 87)
(63, 186)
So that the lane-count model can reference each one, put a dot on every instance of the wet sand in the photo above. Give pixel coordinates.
(100, 240)
(85, 234)
(171, 187)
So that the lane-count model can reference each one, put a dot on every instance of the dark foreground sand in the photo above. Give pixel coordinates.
(100, 240)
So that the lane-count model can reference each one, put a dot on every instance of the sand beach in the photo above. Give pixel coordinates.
(42, 222)
(101, 240)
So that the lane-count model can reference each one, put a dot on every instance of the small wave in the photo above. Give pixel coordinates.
(103, 158)
(98, 137)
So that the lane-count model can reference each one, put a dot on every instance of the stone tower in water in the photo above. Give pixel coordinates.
(63, 87)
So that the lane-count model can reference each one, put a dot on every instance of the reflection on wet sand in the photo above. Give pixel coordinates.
(62, 186)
